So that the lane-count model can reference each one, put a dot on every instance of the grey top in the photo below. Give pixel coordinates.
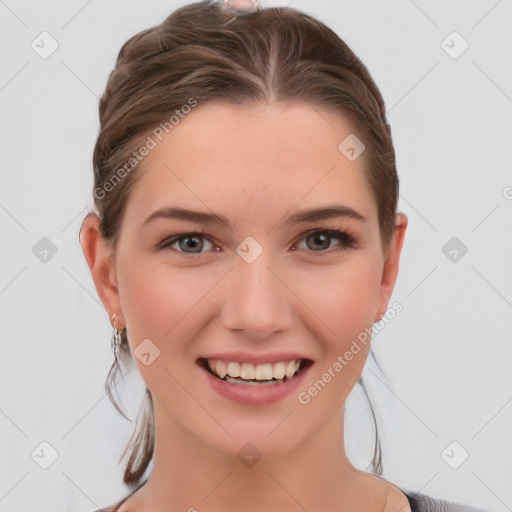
(423, 503)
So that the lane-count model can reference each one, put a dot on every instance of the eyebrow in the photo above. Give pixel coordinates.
(316, 214)
(310, 215)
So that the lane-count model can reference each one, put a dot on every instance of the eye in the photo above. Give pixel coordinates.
(318, 241)
(190, 243)
(321, 240)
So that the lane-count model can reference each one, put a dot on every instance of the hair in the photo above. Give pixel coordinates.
(203, 53)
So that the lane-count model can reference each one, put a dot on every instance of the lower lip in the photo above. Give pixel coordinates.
(255, 394)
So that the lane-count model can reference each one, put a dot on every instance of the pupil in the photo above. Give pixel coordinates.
(322, 239)
(193, 243)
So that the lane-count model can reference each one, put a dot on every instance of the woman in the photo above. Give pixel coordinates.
(246, 235)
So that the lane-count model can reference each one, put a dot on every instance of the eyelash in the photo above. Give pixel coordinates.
(345, 239)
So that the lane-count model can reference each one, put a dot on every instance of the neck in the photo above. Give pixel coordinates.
(189, 474)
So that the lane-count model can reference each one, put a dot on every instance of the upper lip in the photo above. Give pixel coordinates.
(245, 357)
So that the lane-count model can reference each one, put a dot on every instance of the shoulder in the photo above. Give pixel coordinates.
(396, 500)
(423, 503)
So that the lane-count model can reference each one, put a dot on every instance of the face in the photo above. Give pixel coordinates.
(251, 245)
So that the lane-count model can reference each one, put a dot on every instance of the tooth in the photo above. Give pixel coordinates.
(234, 369)
(221, 369)
(279, 370)
(264, 372)
(247, 371)
(291, 368)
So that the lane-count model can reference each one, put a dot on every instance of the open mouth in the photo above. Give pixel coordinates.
(255, 374)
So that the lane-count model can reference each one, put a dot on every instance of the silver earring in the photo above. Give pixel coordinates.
(116, 340)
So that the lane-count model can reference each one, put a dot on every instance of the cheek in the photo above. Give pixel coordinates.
(150, 304)
(158, 300)
(158, 303)
(344, 297)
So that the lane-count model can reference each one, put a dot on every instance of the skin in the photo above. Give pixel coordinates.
(255, 165)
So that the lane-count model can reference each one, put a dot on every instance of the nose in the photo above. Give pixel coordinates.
(256, 299)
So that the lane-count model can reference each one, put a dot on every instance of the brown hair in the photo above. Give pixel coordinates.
(202, 53)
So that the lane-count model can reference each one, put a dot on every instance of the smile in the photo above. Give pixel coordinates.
(255, 374)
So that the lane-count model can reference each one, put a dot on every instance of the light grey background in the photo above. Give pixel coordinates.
(447, 354)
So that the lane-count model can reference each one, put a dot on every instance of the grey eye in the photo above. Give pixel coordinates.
(191, 243)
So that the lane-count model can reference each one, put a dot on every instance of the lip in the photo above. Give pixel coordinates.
(258, 394)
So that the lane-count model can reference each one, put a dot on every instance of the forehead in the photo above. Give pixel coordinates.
(253, 158)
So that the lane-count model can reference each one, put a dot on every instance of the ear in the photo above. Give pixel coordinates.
(390, 269)
(101, 262)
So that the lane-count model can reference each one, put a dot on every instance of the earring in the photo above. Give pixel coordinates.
(115, 342)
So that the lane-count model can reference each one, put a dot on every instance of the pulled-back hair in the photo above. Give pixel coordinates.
(203, 53)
